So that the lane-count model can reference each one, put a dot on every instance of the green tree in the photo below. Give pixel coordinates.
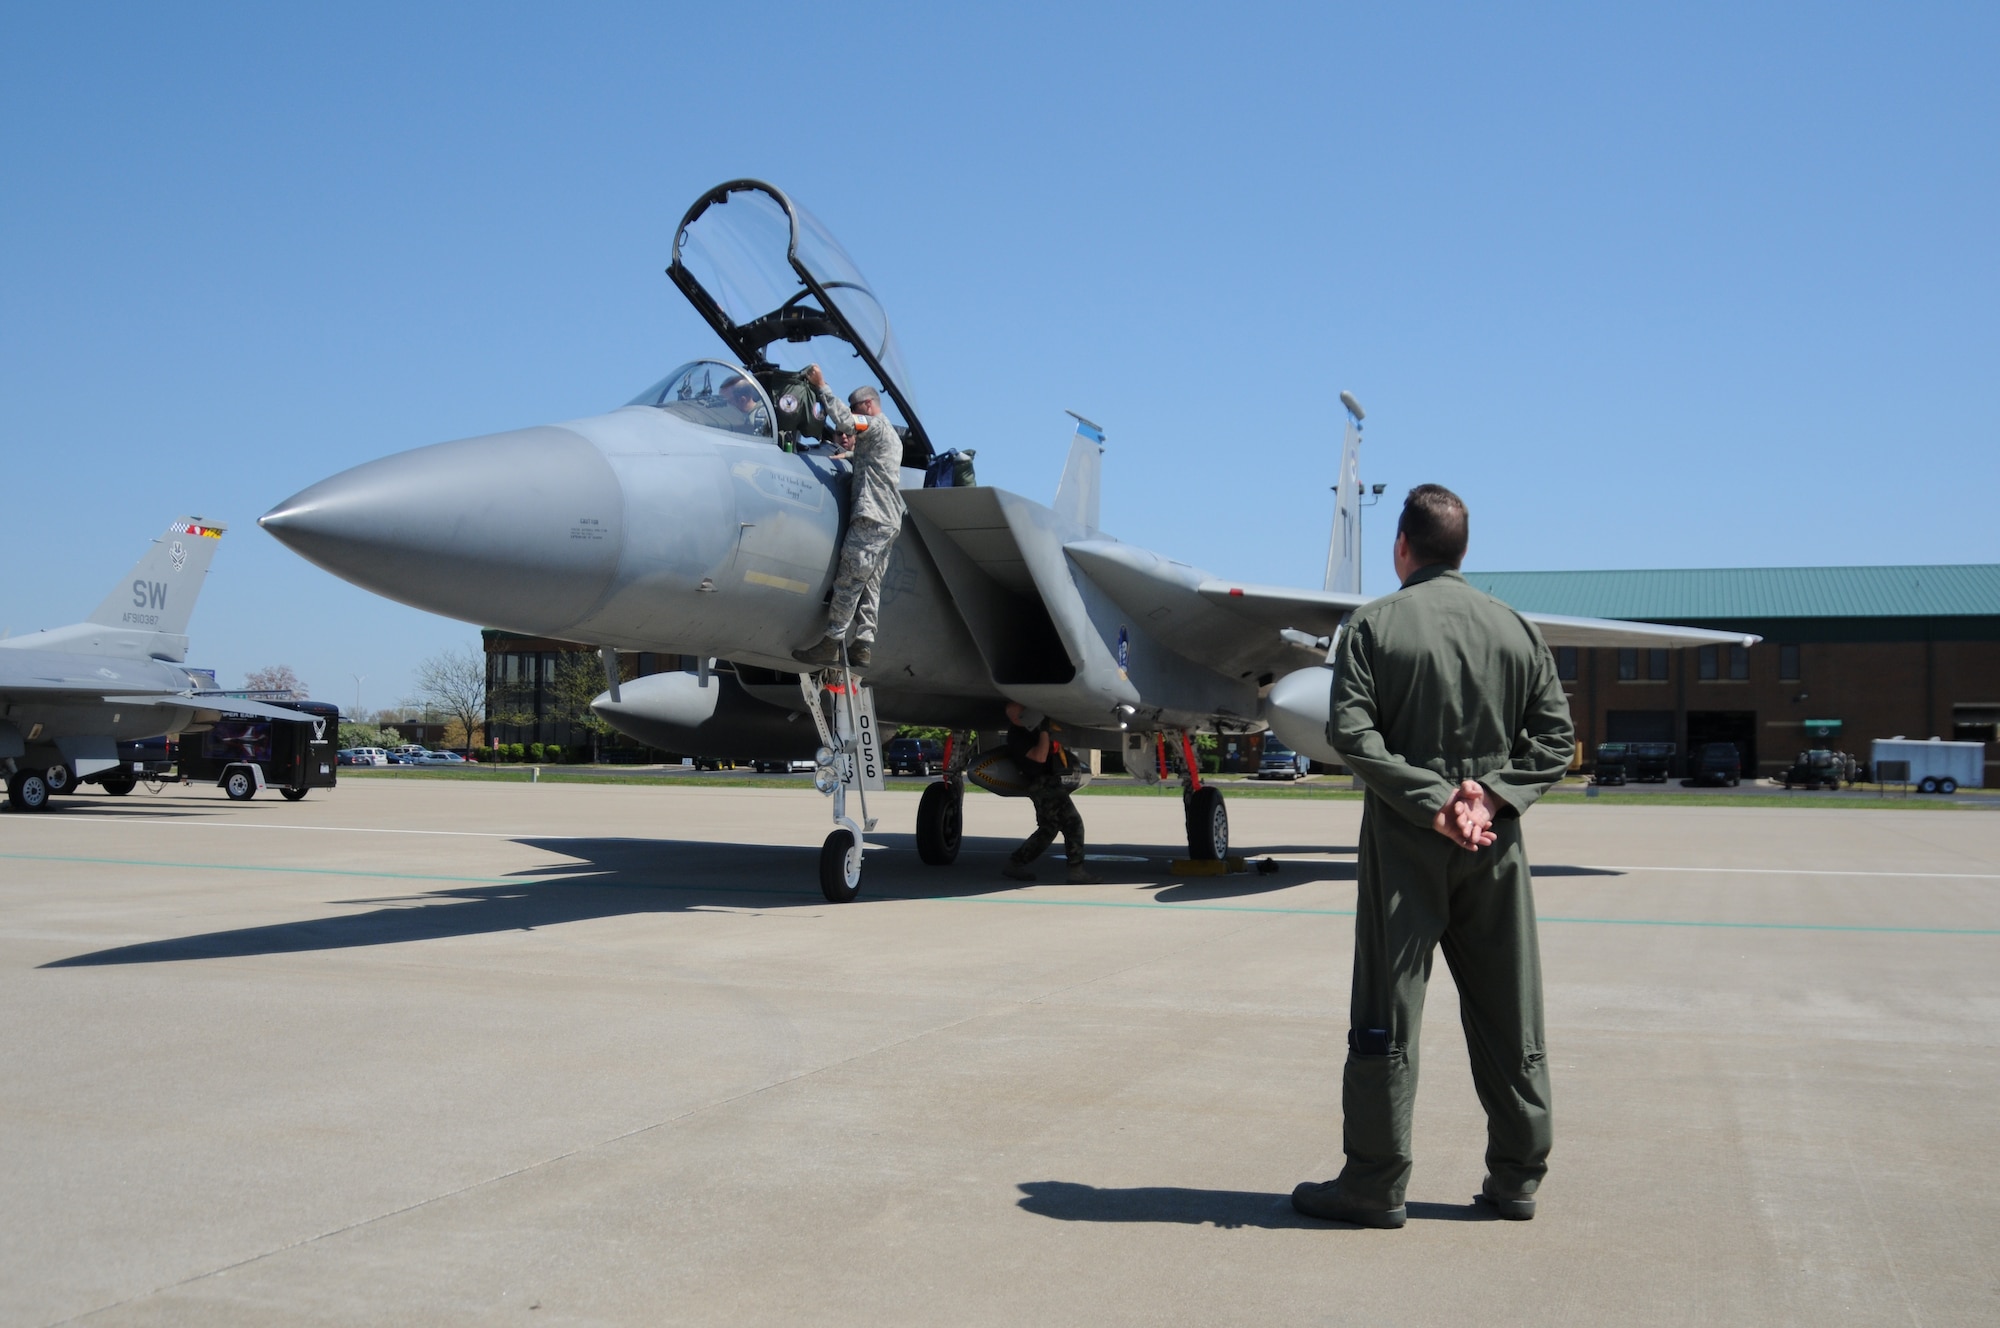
(579, 680)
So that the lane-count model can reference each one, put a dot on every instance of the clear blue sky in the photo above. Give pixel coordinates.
(1705, 285)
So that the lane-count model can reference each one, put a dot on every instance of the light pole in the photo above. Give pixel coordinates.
(359, 678)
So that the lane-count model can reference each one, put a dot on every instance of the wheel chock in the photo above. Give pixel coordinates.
(1223, 866)
(1210, 866)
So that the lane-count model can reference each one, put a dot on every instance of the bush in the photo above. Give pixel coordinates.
(535, 753)
(515, 752)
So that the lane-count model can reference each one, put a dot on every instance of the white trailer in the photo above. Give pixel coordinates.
(1935, 766)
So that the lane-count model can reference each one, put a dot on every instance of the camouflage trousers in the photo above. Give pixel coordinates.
(1054, 813)
(857, 585)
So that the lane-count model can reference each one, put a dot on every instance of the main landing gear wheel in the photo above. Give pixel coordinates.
(60, 779)
(292, 794)
(238, 785)
(28, 790)
(940, 824)
(840, 867)
(1207, 825)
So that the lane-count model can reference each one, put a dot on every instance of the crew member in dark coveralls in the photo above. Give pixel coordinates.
(1447, 706)
(1033, 747)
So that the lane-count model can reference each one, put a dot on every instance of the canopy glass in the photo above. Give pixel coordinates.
(772, 281)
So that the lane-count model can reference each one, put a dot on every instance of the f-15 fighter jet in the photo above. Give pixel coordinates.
(704, 518)
(70, 695)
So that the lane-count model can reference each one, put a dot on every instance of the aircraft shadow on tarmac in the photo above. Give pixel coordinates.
(1067, 1201)
(614, 877)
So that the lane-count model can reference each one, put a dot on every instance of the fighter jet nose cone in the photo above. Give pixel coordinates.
(280, 519)
(518, 529)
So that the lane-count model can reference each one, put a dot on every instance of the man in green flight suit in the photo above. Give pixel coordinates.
(1447, 705)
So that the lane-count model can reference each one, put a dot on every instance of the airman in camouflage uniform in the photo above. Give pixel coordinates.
(875, 515)
(1447, 706)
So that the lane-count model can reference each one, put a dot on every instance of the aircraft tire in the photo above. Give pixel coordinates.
(940, 825)
(28, 791)
(239, 785)
(118, 785)
(61, 779)
(1207, 825)
(840, 867)
(292, 794)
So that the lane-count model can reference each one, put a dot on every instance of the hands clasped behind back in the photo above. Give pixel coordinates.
(1467, 820)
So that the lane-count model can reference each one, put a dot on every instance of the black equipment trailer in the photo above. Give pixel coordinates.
(243, 754)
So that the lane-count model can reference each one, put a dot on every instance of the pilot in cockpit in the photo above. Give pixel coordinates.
(742, 394)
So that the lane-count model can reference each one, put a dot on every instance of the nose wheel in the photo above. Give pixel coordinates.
(840, 867)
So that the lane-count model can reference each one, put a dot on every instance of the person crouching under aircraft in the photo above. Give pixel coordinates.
(1033, 747)
(875, 514)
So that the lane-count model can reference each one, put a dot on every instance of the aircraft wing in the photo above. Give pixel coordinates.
(209, 703)
(1318, 612)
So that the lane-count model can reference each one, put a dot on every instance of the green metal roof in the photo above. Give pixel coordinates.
(1966, 590)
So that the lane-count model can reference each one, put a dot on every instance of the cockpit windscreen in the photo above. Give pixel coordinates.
(711, 393)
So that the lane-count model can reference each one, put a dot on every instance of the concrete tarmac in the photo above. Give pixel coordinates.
(457, 1053)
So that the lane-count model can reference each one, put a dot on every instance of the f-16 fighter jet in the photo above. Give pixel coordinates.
(704, 518)
(70, 695)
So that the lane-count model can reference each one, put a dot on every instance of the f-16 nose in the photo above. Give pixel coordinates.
(519, 530)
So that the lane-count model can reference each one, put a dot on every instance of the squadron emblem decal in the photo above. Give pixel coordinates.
(788, 403)
(178, 552)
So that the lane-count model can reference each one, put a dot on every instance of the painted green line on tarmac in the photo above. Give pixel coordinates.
(1155, 904)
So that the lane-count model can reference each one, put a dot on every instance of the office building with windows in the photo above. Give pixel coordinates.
(1849, 654)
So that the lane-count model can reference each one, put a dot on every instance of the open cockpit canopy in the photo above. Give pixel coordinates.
(771, 280)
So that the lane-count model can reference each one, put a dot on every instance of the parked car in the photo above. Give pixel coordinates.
(369, 756)
(1612, 758)
(1650, 762)
(1818, 768)
(1716, 763)
(440, 758)
(1277, 761)
(914, 756)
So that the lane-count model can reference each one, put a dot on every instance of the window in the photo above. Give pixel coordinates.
(1706, 665)
(1566, 663)
(1628, 664)
(1656, 665)
(1788, 663)
(1739, 663)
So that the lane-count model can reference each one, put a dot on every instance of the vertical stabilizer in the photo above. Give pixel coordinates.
(1076, 496)
(1343, 550)
(158, 594)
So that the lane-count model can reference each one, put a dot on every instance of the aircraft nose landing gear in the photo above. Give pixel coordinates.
(850, 757)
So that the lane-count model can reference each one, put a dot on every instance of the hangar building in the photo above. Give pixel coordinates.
(1849, 654)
